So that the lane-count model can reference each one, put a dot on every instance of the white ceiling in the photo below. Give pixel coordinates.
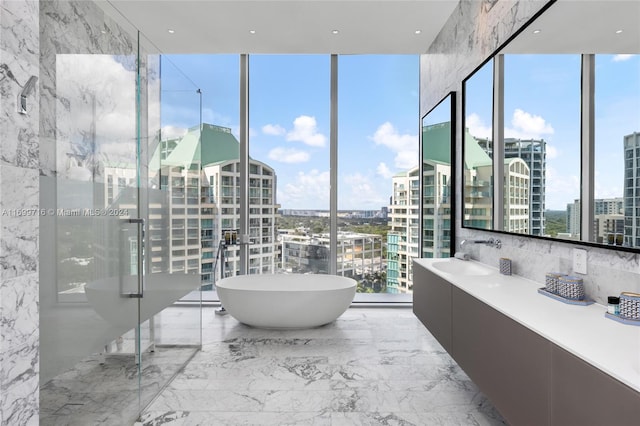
(288, 26)
(365, 26)
(583, 26)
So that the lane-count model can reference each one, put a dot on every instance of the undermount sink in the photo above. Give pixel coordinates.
(461, 267)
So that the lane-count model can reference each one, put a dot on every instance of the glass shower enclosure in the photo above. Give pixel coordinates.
(114, 263)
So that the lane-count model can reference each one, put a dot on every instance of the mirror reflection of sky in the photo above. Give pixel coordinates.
(289, 102)
(542, 101)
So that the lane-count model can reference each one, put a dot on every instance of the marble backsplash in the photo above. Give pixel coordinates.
(609, 272)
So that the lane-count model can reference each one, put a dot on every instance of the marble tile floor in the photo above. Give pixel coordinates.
(373, 366)
(112, 393)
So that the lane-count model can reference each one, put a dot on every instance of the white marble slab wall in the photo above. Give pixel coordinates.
(19, 223)
(472, 34)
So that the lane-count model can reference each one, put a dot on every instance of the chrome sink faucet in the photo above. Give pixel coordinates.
(491, 242)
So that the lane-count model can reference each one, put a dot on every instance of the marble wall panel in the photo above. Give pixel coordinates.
(472, 34)
(18, 62)
(19, 222)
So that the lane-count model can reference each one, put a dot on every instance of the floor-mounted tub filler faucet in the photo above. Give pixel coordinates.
(491, 242)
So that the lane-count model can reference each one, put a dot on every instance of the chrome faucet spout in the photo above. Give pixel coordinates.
(492, 242)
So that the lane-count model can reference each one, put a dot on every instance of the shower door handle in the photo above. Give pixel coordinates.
(140, 258)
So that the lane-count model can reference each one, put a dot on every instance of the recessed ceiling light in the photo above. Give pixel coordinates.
(252, 31)
(537, 31)
(418, 31)
(619, 32)
(171, 31)
(335, 32)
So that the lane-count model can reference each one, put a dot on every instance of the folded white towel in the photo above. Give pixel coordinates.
(462, 256)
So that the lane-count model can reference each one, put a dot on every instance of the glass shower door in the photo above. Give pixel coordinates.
(175, 204)
(91, 274)
(113, 263)
(95, 333)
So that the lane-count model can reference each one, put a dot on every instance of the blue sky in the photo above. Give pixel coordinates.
(542, 101)
(378, 117)
(289, 119)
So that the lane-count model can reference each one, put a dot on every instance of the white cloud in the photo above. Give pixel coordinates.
(477, 127)
(172, 132)
(622, 57)
(305, 130)
(524, 125)
(383, 170)
(213, 117)
(285, 155)
(273, 129)
(560, 189)
(607, 186)
(552, 152)
(307, 191)
(527, 126)
(404, 145)
(358, 192)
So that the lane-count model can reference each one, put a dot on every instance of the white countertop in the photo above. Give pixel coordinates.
(584, 331)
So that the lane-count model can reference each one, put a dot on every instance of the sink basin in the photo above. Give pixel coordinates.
(461, 267)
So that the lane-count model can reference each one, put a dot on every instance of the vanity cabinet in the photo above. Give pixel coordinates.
(434, 309)
(528, 376)
(582, 395)
(508, 362)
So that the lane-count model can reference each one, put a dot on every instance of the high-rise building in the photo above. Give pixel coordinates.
(573, 219)
(631, 192)
(201, 171)
(404, 222)
(403, 239)
(609, 229)
(608, 213)
(516, 196)
(436, 190)
(534, 154)
(608, 206)
(393, 268)
(478, 181)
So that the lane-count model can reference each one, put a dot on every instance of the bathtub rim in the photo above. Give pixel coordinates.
(278, 282)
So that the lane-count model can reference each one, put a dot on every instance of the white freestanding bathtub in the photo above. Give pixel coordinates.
(286, 300)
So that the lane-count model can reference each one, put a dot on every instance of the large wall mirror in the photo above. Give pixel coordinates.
(561, 123)
(438, 179)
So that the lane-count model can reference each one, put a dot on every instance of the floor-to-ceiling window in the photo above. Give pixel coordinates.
(542, 127)
(218, 209)
(378, 180)
(616, 204)
(289, 164)
(288, 185)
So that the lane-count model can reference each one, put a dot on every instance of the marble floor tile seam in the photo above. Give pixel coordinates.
(383, 368)
(302, 372)
(407, 348)
(349, 400)
(271, 385)
(184, 418)
(394, 383)
(290, 340)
